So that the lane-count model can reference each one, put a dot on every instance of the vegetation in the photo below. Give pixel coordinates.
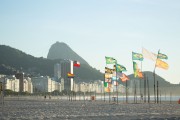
(13, 60)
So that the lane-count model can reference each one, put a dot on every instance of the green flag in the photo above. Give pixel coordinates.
(105, 84)
(120, 68)
(110, 60)
(137, 56)
(135, 68)
(162, 56)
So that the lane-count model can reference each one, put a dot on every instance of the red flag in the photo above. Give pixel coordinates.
(124, 78)
(76, 64)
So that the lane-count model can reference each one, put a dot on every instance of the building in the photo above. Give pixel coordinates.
(57, 71)
(45, 84)
(67, 66)
(11, 83)
(62, 83)
(20, 76)
(28, 87)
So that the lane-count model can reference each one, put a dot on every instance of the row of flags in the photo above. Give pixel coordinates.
(112, 75)
(116, 73)
(149, 55)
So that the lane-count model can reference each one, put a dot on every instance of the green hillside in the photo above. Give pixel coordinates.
(13, 60)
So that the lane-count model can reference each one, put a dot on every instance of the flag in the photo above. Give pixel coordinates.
(120, 68)
(107, 75)
(124, 78)
(162, 56)
(149, 55)
(110, 60)
(135, 68)
(108, 70)
(109, 85)
(115, 83)
(114, 78)
(70, 75)
(162, 64)
(107, 89)
(105, 84)
(76, 64)
(137, 56)
(140, 74)
(108, 80)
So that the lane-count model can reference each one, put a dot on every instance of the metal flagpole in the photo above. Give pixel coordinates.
(148, 90)
(116, 83)
(155, 79)
(157, 92)
(140, 82)
(145, 89)
(154, 87)
(134, 91)
(126, 93)
(104, 87)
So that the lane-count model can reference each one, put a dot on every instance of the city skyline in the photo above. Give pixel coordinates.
(95, 29)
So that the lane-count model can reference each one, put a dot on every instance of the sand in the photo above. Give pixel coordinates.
(60, 109)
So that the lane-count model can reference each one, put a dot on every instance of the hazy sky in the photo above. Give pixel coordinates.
(95, 29)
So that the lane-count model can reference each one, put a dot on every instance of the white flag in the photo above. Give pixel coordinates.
(149, 55)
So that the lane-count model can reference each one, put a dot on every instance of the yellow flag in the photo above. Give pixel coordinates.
(107, 89)
(162, 64)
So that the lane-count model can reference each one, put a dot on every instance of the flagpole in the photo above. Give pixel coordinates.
(140, 81)
(155, 79)
(157, 91)
(104, 87)
(116, 83)
(126, 93)
(144, 88)
(148, 89)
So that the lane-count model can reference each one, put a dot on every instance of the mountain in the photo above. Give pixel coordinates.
(60, 50)
(13, 60)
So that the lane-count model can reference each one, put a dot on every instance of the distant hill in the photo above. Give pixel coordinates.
(13, 60)
(60, 50)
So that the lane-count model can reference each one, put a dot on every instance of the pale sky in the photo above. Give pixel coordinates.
(95, 29)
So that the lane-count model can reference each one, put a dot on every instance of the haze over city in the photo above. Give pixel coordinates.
(95, 29)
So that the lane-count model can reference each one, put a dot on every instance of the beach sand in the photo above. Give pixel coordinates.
(60, 109)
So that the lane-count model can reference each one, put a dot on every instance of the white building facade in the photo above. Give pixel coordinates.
(45, 84)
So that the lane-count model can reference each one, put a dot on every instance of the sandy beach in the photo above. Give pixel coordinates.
(57, 109)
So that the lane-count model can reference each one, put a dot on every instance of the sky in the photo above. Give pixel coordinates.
(95, 29)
